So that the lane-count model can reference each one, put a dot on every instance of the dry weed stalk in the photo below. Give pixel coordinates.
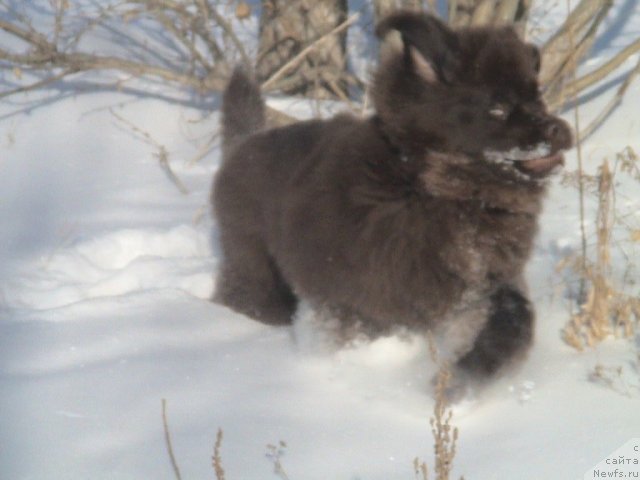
(160, 153)
(606, 310)
(167, 438)
(612, 378)
(445, 436)
(275, 453)
(420, 469)
(629, 162)
(572, 65)
(216, 459)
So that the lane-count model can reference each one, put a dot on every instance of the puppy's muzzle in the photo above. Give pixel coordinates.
(558, 134)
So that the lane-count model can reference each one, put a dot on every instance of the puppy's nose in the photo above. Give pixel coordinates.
(558, 134)
(553, 130)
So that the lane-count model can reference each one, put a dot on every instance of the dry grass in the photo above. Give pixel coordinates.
(612, 378)
(275, 454)
(606, 309)
(216, 459)
(203, 45)
(421, 470)
(445, 435)
(167, 438)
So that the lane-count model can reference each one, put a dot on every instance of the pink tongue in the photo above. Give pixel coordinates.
(543, 164)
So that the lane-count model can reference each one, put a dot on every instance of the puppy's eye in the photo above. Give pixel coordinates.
(499, 112)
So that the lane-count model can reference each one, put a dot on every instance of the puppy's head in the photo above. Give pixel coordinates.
(473, 92)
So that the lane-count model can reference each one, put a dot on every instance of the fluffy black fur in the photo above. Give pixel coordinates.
(421, 216)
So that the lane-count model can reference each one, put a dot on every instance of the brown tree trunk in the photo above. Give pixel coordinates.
(461, 11)
(464, 13)
(286, 28)
(382, 8)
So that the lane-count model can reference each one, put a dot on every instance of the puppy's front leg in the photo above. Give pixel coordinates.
(506, 336)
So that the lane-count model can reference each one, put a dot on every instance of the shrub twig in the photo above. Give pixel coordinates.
(161, 152)
(444, 435)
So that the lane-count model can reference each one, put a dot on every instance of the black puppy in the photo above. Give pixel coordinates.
(422, 216)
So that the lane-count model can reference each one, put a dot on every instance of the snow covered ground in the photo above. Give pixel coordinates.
(105, 273)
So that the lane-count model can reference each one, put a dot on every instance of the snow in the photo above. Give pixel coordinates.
(105, 273)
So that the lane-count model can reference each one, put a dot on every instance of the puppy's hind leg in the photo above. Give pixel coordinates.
(249, 282)
(506, 336)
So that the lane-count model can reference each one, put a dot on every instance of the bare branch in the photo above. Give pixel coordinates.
(205, 149)
(563, 63)
(579, 29)
(200, 27)
(192, 28)
(29, 35)
(162, 154)
(298, 58)
(82, 62)
(37, 85)
(60, 7)
(181, 36)
(163, 158)
(580, 16)
(586, 81)
(196, 22)
(220, 20)
(612, 105)
(139, 49)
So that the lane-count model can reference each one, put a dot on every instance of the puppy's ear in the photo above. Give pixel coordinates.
(535, 57)
(430, 47)
(421, 65)
(394, 45)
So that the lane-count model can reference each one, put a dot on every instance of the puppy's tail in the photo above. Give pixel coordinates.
(243, 109)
